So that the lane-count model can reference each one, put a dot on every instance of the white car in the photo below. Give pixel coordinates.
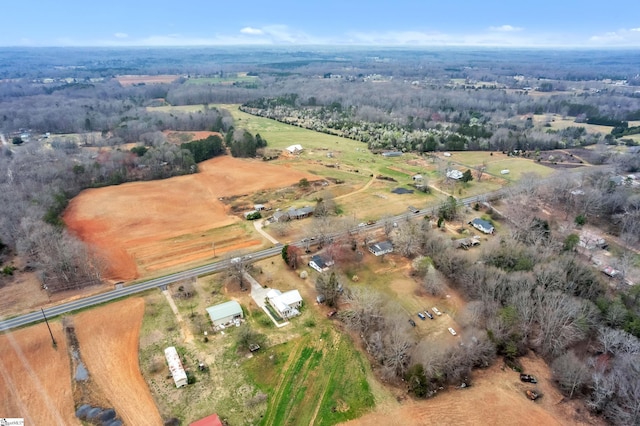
(452, 331)
(436, 311)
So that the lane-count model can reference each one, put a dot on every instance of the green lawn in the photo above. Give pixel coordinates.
(318, 379)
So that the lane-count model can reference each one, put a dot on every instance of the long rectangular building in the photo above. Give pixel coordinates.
(175, 366)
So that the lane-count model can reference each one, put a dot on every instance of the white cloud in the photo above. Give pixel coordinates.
(505, 28)
(251, 31)
(121, 35)
(621, 38)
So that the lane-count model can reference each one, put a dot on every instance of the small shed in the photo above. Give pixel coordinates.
(294, 149)
(224, 313)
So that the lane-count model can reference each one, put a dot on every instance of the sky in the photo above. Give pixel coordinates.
(406, 23)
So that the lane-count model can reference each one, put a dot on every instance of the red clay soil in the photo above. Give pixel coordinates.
(496, 397)
(35, 378)
(140, 226)
(108, 338)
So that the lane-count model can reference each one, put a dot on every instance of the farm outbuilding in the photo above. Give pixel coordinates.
(175, 366)
(212, 420)
(225, 313)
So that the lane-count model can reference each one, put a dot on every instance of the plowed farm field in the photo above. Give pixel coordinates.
(142, 228)
(35, 377)
(110, 351)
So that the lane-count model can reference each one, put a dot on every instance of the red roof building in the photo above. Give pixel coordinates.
(212, 420)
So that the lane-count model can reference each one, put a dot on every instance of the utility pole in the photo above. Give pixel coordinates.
(213, 245)
(46, 321)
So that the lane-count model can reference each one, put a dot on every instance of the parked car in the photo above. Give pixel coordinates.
(421, 315)
(436, 311)
(528, 378)
(452, 331)
(332, 313)
(427, 313)
(412, 322)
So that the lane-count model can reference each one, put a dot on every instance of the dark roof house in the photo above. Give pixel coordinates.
(383, 247)
(320, 264)
(482, 225)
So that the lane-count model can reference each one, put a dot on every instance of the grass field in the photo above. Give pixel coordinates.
(318, 379)
(239, 78)
(497, 162)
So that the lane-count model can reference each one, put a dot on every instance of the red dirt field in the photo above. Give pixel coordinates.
(35, 378)
(496, 397)
(130, 80)
(143, 227)
(110, 351)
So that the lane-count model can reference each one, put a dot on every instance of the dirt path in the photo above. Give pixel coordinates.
(258, 225)
(186, 333)
(364, 188)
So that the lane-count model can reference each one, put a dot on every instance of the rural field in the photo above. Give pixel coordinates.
(240, 77)
(35, 377)
(130, 80)
(37, 382)
(146, 227)
(495, 397)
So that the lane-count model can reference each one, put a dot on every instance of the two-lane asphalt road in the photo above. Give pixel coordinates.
(132, 289)
(214, 267)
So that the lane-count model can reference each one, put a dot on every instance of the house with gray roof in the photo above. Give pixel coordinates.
(383, 247)
(482, 226)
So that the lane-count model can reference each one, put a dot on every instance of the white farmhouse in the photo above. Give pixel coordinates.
(286, 304)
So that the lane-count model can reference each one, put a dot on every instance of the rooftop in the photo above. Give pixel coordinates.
(224, 310)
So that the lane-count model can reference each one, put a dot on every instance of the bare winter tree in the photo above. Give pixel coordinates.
(480, 169)
(571, 373)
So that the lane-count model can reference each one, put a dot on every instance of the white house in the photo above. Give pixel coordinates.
(454, 174)
(286, 304)
(225, 313)
(482, 225)
(175, 366)
(320, 264)
(295, 149)
(383, 247)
